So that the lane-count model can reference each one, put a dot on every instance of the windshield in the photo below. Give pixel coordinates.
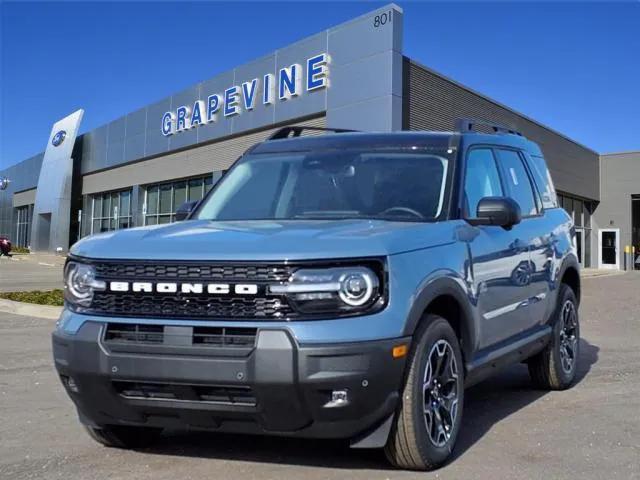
(405, 186)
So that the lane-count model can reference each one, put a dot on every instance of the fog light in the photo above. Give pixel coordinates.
(339, 398)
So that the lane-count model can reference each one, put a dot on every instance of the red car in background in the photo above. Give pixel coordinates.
(5, 246)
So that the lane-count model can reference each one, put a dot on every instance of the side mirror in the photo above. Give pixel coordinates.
(185, 210)
(498, 211)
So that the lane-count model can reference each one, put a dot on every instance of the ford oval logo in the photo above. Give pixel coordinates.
(58, 138)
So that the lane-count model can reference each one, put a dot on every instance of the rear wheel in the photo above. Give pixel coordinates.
(555, 367)
(428, 420)
(121, 436)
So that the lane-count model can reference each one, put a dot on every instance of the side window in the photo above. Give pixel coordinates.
(542, 177)
(517, 181)
(481, 179)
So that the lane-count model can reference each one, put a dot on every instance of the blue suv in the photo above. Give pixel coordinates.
(343, 286)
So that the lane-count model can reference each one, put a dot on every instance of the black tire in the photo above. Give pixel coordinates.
(549, 368)
(410, 444)
(121, 436)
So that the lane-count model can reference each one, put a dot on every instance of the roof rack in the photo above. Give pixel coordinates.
(469, 124)
(296, 131)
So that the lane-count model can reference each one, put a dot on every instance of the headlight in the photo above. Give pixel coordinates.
(339, 290)
(80, 283)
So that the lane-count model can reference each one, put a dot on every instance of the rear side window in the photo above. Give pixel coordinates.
(517, 181)
(481, 179)
(542, 177)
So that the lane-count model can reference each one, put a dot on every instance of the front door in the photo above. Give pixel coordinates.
(609, 246)
(501, 268)
(501, 278)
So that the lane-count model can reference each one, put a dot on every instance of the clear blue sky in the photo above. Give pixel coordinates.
(572, 66)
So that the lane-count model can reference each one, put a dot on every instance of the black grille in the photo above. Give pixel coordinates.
(213, 337)
(199, 271)
(190, 306)
(227, 395)
(131, 333)
(225, 337)
(237, 305)
(181, 305)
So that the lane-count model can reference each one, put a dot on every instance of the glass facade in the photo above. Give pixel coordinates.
(111, 211)
(23, 225)
(162, 200)
(580, 210)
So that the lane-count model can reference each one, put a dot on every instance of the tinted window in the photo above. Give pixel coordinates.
(111, 210)
(542, 177)
(163, 200)
(481, 179)
(517, 181)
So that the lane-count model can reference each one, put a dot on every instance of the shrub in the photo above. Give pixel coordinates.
(51, 297)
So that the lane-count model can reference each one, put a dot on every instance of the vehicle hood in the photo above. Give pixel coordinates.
(264, 240)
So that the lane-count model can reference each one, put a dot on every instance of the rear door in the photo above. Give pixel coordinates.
(531, 275)
(545, 254)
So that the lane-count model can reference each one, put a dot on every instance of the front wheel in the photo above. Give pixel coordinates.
(428, 420)
(555, 367)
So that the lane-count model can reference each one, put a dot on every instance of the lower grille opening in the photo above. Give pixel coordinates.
(234, 395)
(214, 337)
(134, 333)
(224, 337)
(224, 395)
(145, 390)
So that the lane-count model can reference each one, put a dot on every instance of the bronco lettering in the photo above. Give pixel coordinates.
(197, 288)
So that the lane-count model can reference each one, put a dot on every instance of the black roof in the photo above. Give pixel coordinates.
(402, 139)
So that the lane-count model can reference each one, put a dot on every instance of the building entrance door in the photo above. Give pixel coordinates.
(580, 245)
(609, 246)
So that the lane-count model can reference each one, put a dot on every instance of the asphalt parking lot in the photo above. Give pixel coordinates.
(509, 430)
(30, 272)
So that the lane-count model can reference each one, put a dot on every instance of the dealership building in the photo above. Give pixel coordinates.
(139, 168)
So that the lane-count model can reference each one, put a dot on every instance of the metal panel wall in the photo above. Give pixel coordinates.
(27, 197)
(51, 223)
(433, 102)
(191, 162)
(619, 180)
(23, 176)
(364, 93)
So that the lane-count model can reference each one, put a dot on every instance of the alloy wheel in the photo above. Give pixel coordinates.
(440, 393)
(568, 336)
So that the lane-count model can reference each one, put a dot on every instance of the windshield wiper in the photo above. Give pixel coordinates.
(397, 218)
(329, 214)
(354, 215)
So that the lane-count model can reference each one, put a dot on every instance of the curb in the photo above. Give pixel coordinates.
(601, 275)
(30, 309)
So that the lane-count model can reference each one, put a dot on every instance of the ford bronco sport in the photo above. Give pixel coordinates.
(342, 286)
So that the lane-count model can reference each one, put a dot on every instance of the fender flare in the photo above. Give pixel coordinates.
(570, 261)
(453, 287)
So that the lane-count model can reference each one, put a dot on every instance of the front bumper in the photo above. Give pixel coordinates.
(274, 386)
